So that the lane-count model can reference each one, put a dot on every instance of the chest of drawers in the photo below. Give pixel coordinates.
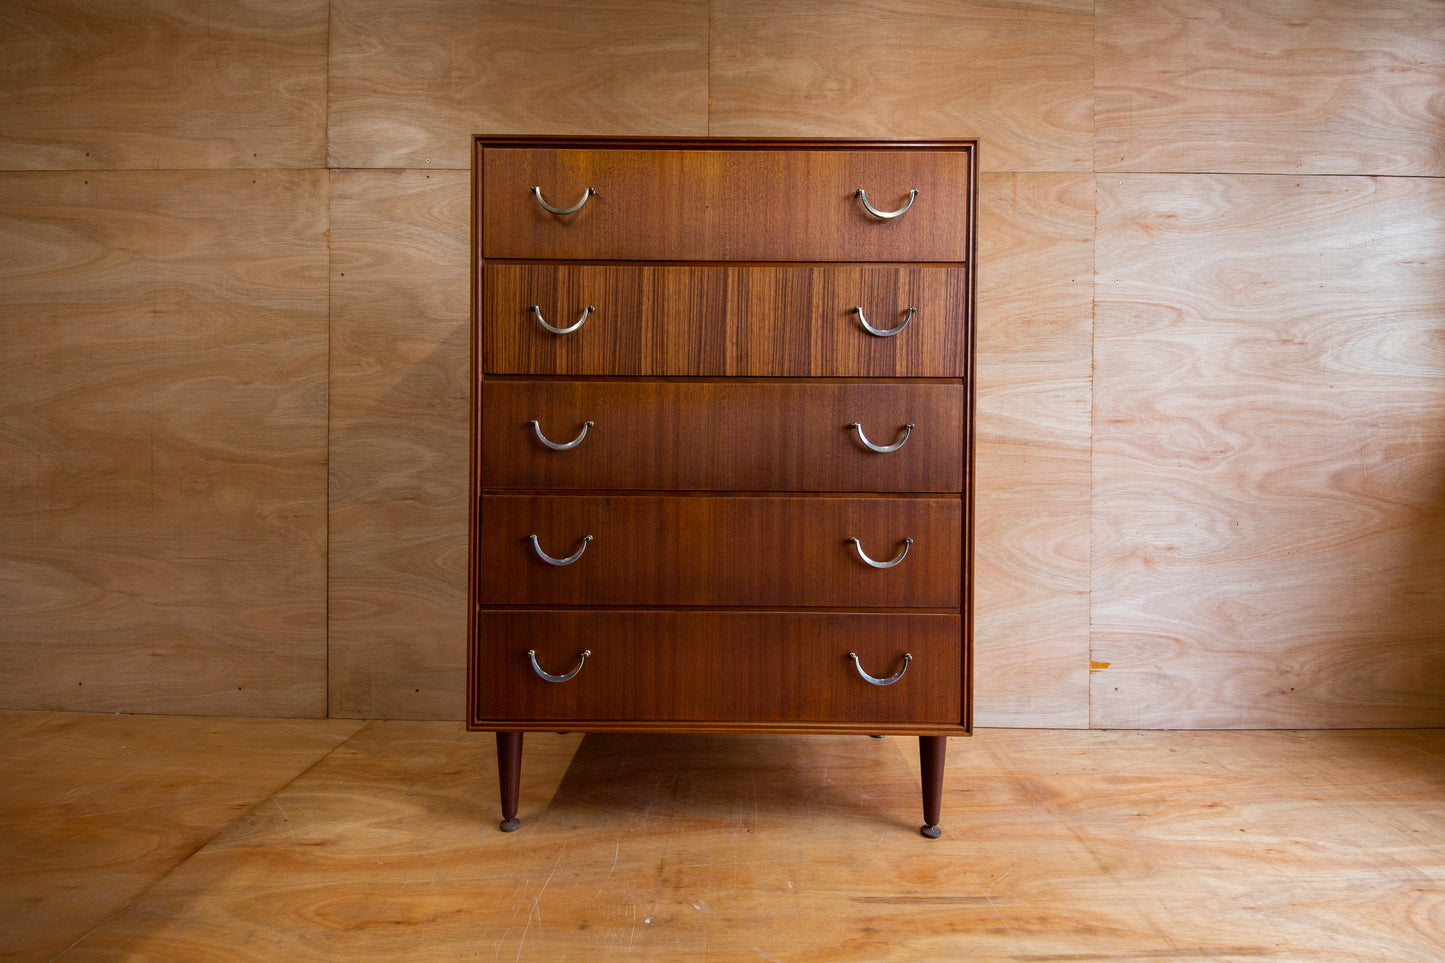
(722, 445)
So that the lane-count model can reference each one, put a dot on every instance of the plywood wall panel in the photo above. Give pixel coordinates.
(1271, 86)
(1017, 75)
(400, 368)
(1261, 494)
(1031, 612)
(163, 432)
(162, 84)
(1269, 437)
(410, 84)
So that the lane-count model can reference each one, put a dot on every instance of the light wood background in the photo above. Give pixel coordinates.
(334, 839)
(234, 308)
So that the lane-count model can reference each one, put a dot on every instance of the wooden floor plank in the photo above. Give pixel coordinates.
(95, 808)
(1057, 844)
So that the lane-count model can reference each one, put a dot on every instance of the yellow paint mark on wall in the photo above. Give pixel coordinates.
(1099, 666)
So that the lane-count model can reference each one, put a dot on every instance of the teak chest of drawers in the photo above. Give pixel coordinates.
(722, 442)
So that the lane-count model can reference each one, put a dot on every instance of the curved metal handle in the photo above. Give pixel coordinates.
(567, 446)
(881, 449)
(586, 196)
(907, 543)
(871, 680)
(536, 547)
(577, 324)
(885, 215)
(532, 654)
(876, 332)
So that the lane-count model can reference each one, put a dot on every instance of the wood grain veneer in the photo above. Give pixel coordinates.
(733, 202)
(163, 436)
(1286, 88)
(706, 320)
(722, 550)
(1116, 845)
(399, 414)
(722, 435)
(1262, 86)
(97, 807)
(409, 82)
(738, 668)
(1021, 73)
(155, 84)
(1269, 517)
(1033, 482)
(729, 514)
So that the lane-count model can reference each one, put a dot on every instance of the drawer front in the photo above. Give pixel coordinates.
(700, 204)
(705, 667)
(719, 550)
(722, 436)
(652, 320)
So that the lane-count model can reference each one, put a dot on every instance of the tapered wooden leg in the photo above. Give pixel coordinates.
(509, 774)
(931, 753)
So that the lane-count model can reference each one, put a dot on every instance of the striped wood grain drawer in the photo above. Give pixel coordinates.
(712, 320)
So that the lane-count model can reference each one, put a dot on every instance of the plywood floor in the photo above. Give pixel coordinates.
(126, 837)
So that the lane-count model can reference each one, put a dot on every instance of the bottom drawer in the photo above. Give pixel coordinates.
(701, 667)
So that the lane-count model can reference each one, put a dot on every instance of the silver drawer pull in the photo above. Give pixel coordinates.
(587, 195)
(568, 446)
(907, 658)
(573, 327)
(885, 215)
(907, 543)
(536, 547)
(876, 332)
(532, 654)
(881, 449)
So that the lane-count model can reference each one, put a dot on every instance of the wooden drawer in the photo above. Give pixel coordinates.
(719, 550)
(712, 204)
(712, 320)
(722, 436)
(717, 667)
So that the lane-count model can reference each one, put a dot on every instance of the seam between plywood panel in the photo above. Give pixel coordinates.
(1093, 411)
(1093, 332)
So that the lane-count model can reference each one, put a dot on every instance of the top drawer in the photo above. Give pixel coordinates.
(737, 204)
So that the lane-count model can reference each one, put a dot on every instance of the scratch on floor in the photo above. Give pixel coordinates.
(285, 818)
(603, 888)
(537, 902)
(993, 906)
